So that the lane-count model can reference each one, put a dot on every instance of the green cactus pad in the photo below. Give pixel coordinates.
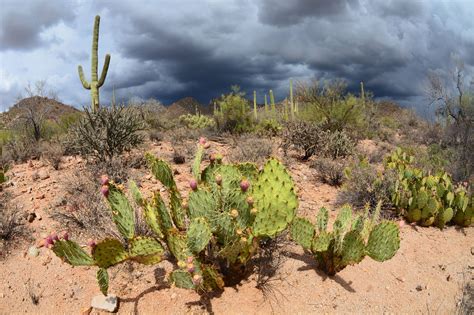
(109, 252)
(212, 279)
(72, 253)
(231, 251)
(103, 280)
(182, 279)
(177, 212)
(146, 250)
(322, 242)
(353, 248)
(136, 194)
(444, 216)
(275, 199)
(198, 235)
(152, 218)
(384, 241)
(202, 203)
(248, 170)
(413, 215)
(431, 208)
(422, 199)
(196, 168)
(302, 232)
(162, 171)
(165, 219)
(177, 245)
(322, 219)
(122, 212)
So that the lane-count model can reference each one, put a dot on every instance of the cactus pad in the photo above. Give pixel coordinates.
(322, 219)
(72, 253)
(198, 235)
(103, 280)
(182, 279)
(122, 212)
(146, 250)
(384, 241)
(353, 248)
(302, 232)
(109, 252)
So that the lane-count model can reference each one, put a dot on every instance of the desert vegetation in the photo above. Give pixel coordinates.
(211, 197)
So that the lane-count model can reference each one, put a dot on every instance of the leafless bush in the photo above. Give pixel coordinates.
(86, 208)
(329, 171)
(52, 152)
(304, 136)
(21, 149)
(155, 135)
(248, 148)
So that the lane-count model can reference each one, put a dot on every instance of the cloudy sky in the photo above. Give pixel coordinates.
(169, 49)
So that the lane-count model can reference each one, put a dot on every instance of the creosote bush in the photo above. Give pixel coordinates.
(329, 171)
(107, 133)
(248, 148)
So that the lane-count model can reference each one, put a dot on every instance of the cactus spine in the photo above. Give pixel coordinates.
(96, 82)
(255, 104)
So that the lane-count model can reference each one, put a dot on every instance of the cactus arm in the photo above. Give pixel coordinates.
(72, 253)
(104, 71)
(122, 212)
(103, 280)
(95, 47)
(84, 82)
(197, 163)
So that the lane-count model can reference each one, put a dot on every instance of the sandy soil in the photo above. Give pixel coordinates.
(426, 275)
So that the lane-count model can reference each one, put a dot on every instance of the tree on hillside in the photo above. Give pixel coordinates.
(455, 107)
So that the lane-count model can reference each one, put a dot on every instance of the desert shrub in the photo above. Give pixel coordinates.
(328, 104)
(106, 133)
(11, 227)
(233, 114)
(268, 127)
(155, 135)
(197, 121)
(336, 144)
(116, 168)
(364, 185)
(248, 148)
(52, 152)
(303, 136)
(84, 207)
(21, 149)
(329, 171)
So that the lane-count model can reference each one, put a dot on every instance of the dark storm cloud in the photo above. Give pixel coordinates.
(284, 13)
(21, 22)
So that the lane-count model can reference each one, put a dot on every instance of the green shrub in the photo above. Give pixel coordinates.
(233, 114)
(268, 127)
(106, 133)
(197, 121)
(336, 144)
(329, 171)
(303, 136)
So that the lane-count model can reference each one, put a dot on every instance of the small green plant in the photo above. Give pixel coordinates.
(197, 121)
(352, 238)
(234, 113)
(428, 199)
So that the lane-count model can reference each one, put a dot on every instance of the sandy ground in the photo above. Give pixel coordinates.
(425, 277)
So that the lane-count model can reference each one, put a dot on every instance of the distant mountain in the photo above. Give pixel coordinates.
(51, 108)
(188, 105)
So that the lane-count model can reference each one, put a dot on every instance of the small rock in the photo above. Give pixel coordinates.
(107, 303)
(419, 287)
(33, 251)
(40, 196)
(31, 217)
(43, 175)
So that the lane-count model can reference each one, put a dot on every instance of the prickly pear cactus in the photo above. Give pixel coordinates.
(428, 199)
(350, 241)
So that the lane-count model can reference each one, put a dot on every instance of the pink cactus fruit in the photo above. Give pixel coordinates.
(244, 185)
(212, 157)
(54, 236)
(193, 184)
(104, 180)
(91, 243)
(48, 241)
(65, 235)
(191, 268)
(202, 141)
(190, 259)
(104, 190)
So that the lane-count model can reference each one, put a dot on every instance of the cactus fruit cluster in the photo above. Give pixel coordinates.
(212, 235)
(96, 83)
(428, 199)
(352, 238)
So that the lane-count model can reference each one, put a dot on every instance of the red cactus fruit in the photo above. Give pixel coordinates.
(48, 241)
(193, 184)
(91, 243)
(191, 268)
(65, 236)
(202, 141)
(104, 190)
(104, 180)
(244, 185)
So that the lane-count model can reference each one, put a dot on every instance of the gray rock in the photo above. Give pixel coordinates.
(107, 303)
(33, 251)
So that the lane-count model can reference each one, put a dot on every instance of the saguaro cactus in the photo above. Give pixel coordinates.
(292, 103)
(272, 101)
(266, 104)
(96, 82)
(255, 104)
